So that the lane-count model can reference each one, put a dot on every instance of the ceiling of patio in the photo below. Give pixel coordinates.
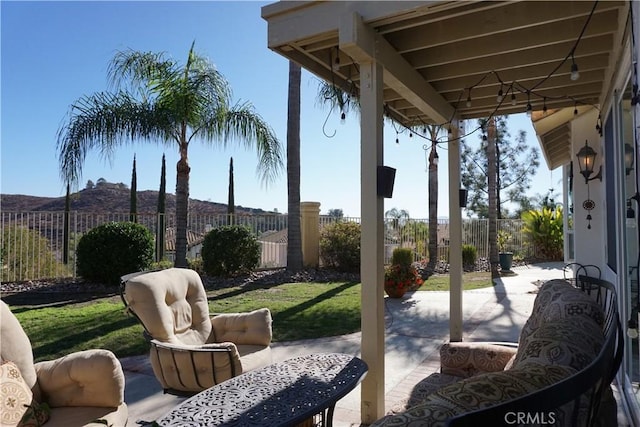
(439, 54)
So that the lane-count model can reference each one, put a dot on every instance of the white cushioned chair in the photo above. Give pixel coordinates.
(85, 388)
(191, 351)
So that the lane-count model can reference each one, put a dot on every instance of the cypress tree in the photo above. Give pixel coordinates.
(231, 208)
(67, 219)
(133, 209)
(162, 196)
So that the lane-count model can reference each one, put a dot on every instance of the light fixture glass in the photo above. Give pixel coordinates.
(500, 96)
(514, 101)
(469, 99)
(529, 109)
(343, 117)
(434, 156)
(586, 161)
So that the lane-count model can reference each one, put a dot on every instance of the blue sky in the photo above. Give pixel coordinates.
(54, 52)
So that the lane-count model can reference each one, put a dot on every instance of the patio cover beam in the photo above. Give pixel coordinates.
(363, 44)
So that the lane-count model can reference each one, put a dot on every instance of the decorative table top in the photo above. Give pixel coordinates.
(281, 394)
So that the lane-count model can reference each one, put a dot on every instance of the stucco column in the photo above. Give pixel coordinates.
(372, 242)
(455, 237)
(310, 230)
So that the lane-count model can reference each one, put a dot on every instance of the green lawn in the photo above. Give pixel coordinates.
(300, 311)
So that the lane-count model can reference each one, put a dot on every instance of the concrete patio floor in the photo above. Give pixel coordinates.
(416, 326)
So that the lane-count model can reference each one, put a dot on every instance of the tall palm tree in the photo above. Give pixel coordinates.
(156, 99)
(492, 188)
(433, 198)
(294, 233)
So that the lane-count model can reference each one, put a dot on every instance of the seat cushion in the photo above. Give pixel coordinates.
(88, 416)
(254, 356)
(481, 391)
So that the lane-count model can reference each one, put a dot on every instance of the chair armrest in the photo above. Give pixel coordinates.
(84, 378)
(253, 328)
(465, 359)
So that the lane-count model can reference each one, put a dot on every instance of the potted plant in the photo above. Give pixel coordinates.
(401, 276)
(505, 257)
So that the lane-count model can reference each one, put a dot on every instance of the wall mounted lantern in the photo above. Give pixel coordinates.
(628, 158)
(586, 159)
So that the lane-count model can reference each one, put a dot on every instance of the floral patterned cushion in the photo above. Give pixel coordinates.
(474, 393)
(468, 359)
(17, 406)
(561, 343)
(558, 299)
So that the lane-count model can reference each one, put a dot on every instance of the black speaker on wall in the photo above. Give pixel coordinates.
(386, 178)
(463, 197)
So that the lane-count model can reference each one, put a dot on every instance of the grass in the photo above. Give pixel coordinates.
(299, 310)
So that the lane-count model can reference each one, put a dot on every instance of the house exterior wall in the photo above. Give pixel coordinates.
(588, 242)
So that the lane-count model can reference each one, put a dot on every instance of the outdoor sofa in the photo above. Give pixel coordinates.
(559, 373)
(85, 388)
(190, 350)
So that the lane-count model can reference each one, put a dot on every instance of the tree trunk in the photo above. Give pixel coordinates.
(294, 235)
(182, 207)
(433, 202)
(231, 201)
(492, 190)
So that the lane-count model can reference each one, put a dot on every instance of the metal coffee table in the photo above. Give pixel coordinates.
(281, 394)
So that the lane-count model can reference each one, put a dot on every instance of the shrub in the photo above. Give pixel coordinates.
(196, 265)
(161, 265)
(25, 254)
(230, 250)
(544, 228)
(402, 256)
(112, 250)
(469, 255)
(340, 246)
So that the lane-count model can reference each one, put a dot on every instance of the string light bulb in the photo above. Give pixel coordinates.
(575, 74)
(529, 108)
(336, 63)
(514, 101)
(544, 106)
(343, 117)
(500, 96)
(575, 108)
(469, 99)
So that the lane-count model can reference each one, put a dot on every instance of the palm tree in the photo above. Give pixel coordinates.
(492, 188)
(294, 233)
(156, 99)
(433, 198)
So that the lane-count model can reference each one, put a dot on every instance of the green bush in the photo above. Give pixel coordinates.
(469, 255)
(544, 229)
(402, 256)
(112, 250)
(340, 246)
(161, 265)
(230, 250)
(196, 264)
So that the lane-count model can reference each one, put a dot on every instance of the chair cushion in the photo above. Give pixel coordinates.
(558, 299)
(172, 305)
(89, 416)
(16, 347)
(561, 343)
(16, 400)
(481, 391)
(252, 328)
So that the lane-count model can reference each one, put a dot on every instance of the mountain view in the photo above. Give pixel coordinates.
(111, 197)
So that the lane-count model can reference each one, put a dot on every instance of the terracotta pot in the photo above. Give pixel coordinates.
(394, 292)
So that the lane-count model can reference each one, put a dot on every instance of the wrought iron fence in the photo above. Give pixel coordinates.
(32, 244)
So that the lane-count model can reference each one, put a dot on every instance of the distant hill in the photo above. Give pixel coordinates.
(109, 197)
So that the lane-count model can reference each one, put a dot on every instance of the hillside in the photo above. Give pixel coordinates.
(109, 197)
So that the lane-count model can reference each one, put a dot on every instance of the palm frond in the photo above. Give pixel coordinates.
(105, 121)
